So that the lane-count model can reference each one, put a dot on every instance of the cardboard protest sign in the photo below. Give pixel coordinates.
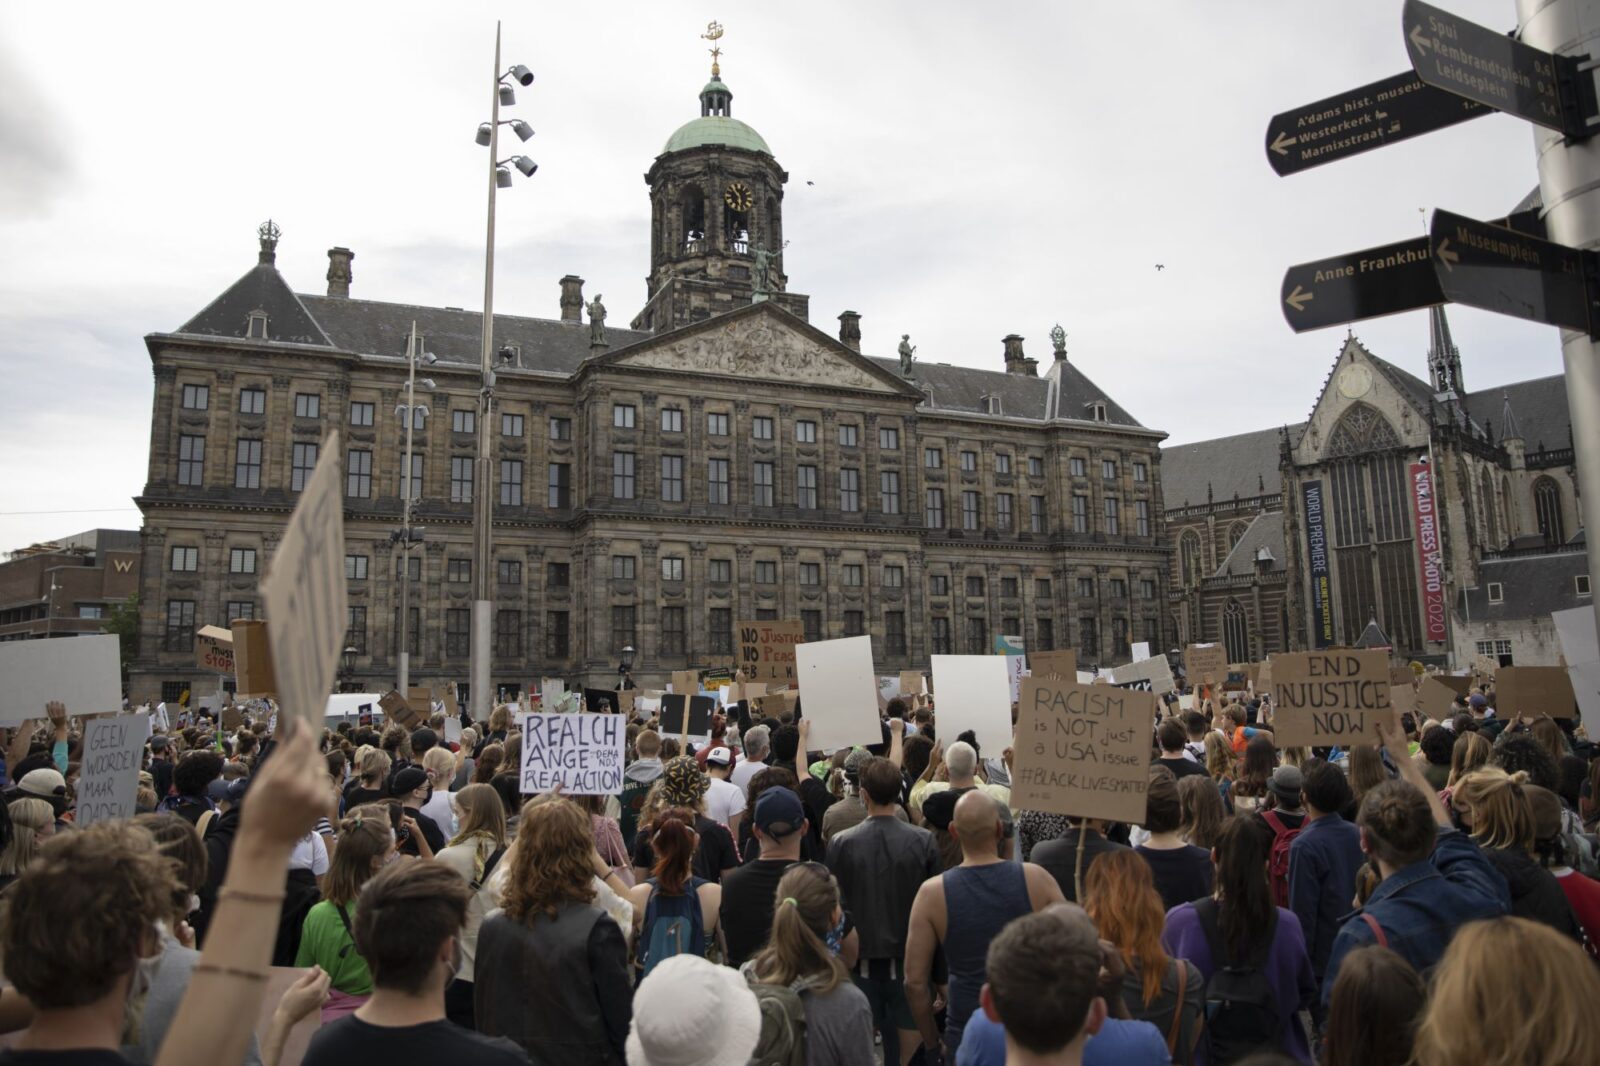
(232, 719)
(766, 650)
(1484, 666)
(1580, 649)
(1062, 663)
(452, 709)
(213, 649)
(912, 683)
(1404, 699)
(551, 689)
(85, 673)
(1401, 675)
(1154, 670)
(974, 693)
(583, 753)
(1082, 750)
(1532, 691)
(113, 749)
(1435, 698)
(252, 660)
(841, 692)
(718, 677)
(625, 700)
(1262, 681)
(1332, 697)
(600, 700)
(685, 682)
(1205, 664)
(1236, 678)
(304, 592)
(398, 710)
(695, 725)
(1460, 684)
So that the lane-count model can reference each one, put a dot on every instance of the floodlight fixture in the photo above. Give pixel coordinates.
(522, 74)
(484, 134)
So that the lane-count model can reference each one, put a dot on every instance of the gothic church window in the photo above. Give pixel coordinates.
(1361, 429)
(1547, 508)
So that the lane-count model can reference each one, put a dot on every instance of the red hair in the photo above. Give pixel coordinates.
(672, 838)
(1121, 897)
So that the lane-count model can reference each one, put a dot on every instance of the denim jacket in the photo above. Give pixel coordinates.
(1420, 907)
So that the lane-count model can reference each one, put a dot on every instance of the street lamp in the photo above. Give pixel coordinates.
(625, 665)
(349, 669)
(406, 535)
(500, 92)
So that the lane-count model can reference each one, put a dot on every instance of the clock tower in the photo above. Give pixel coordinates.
(716, 220)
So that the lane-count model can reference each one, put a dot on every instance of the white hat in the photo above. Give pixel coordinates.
(691, 1012)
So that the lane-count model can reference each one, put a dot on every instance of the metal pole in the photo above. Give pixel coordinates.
(482, 505)
(404, 684)
(1569, 184)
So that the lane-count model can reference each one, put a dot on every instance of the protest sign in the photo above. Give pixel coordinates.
(1333, 697)
(974, 693)
(1533, 691)
(1236, 678)
(841, 692)
(113, 749)
(583, 753)
(685, 682)
(1484, 667)
(1435, 698)
(304, 592)
(451, 708)
(213, 649)
(625, 700)
(766, 650)
(452, 729)
(1141, 651)
(1403, 698)
(1205, 664)
(912, 683)
(398, 710)
(1401, 675)
(1579, 648)
(1082, 750)
(600, 700)
(232, 719)
(1011, 648)
(1155, 670)
(252, 660)
(551, 689)
(1262, 681)
(1460, 684)
(888, 689)
(696, 725)
(1062, 663)
(84, 673)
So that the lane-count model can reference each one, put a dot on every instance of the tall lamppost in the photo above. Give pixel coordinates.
(407, 536)
(501, 92)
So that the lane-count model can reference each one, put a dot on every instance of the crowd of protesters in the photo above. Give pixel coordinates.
(1427, 899)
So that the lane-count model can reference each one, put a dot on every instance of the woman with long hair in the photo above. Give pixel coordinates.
(1470, 752)
(1240, 923)
(1366, 771)
(440, 765)
(1201, 810)
(1510, 992)
(33, 821)
(552, 968)
(672, 909)
(798, 955)
(478, 846)
(371, 783)
(1375, 1009)
(607, 836)
(1220, 766)
(487, 763)
(1249, 793)
(1121, 897)
(1494, 807)
(327, 938)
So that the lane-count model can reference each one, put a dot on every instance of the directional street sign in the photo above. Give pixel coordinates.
(1497, 269)
(1347, 288)
(1360, 120)
(1476, 62)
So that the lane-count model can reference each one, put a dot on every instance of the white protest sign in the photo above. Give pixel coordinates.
(583, 753)
(1141, 651)
(108, 781)
(1575, 629)
(840, 692)
(452, 729)
(1155, 670)
(973, 692)
(304, 592)
(84, 673)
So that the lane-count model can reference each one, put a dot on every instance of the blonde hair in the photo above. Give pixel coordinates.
(807, 897)
(28, 816)
(374, 765)
(482, 814)
(441, 766)
(1498, 805)
(1511, 992)
(1219, 757)
(364, 835)
(1471, 752)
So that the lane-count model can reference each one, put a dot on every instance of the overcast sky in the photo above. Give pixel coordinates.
(958, 171)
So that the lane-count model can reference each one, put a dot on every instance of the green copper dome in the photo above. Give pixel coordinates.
(716, 129)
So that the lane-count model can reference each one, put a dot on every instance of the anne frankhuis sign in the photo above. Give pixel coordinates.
(1430, 557)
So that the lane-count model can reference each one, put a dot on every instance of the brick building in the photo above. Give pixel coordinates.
(67, 587)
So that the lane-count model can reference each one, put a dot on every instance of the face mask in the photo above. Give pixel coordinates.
(455, 822)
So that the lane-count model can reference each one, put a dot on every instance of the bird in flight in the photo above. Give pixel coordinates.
(1161, 266)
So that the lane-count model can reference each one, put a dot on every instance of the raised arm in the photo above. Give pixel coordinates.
(1394, 742)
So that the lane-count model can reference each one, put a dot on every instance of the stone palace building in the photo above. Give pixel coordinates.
(721, 460)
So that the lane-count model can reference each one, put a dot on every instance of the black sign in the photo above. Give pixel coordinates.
(700, 710)
(1347, 288)
(1476, 62)
(1497, 269)
(1360, 120)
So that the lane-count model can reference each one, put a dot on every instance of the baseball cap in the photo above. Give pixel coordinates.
(1477, 702)
(854, 762)
(779, 812)
(720, 756)
(407, 781)
(46, 784)
(678, 1007)
(1287, 782)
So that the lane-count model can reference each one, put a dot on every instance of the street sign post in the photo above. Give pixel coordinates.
(1501, 72)
(1367, 284)
(1498, 269)
(1384, 112)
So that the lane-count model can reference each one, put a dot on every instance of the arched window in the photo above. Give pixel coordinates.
(1189, 556)
(1508, 512)
(1235, 632)
(692, 206)
(1361, 429)
(1235, 535)
(1491, 525)
(1547, 508)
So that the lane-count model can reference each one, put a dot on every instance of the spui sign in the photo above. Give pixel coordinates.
(583, 753)
(1333, 697)
(1083, 750)
(766, 650)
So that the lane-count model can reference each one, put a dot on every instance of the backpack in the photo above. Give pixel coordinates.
(1241, 1010)
(1278, 858)
(673, 925)
(783, 1025)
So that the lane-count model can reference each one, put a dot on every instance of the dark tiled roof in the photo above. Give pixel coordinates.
(262, 289)
(963, 388)
(1540, 407)
(1266, 531)
(1228, 466)
(1531, 586)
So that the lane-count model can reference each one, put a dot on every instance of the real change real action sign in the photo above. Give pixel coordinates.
(108, 779)
(1333, 697)
(583, 753)
(1082, 750)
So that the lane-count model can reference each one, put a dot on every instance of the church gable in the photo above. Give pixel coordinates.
(760, 342)
(1366, 404)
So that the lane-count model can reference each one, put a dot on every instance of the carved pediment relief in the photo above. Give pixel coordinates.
(756, 346)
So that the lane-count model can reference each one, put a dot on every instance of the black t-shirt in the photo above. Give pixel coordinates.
(430, 832)
(80, 1057)
(1180, 766)
(749, 895)
(358, 796)
(712, 855)
(353, 1042)
(1182, 875)
(750, 847)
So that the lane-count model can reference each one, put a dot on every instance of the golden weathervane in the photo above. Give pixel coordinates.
(714, 34)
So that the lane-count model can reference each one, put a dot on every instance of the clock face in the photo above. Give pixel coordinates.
(738, 196)
(1355, 381)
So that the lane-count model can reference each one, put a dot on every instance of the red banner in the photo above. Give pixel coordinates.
(1429, 553)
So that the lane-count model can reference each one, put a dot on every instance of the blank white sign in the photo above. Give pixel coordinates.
(85, 673)
(838, 692)
(973, 692)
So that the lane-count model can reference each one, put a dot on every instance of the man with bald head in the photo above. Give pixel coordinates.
(963, 910)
